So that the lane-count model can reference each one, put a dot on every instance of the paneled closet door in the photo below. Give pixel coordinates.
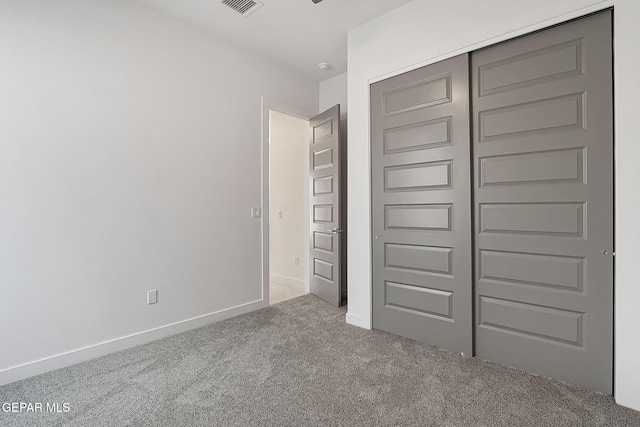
(542, 144)
(421, 205)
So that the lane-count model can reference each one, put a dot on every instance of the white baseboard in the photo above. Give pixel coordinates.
(359, 321)
(288, 281)
(72, 357)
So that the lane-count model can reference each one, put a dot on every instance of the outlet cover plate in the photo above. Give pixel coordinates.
(152, 296)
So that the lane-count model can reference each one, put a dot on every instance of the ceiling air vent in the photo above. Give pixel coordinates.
(243, 7)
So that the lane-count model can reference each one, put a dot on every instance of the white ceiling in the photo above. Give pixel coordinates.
(296, 33)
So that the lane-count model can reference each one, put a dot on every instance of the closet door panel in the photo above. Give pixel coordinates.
(542, 153)
(421, 205)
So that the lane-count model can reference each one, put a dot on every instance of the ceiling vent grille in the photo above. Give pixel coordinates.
(243, 7)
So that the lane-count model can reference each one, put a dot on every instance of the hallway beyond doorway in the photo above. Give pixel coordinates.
(282, 291)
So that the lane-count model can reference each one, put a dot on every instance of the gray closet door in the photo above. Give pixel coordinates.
(421, 205)
(325, 208)
(542, 111)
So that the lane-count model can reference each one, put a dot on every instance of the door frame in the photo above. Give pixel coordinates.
(268, 104)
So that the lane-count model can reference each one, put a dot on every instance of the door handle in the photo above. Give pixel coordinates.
(335, 230)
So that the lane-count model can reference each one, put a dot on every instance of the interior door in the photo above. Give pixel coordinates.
(326, 219)
(543, 144)
(420, 159)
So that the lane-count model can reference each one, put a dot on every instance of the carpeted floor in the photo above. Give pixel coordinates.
(299, 364)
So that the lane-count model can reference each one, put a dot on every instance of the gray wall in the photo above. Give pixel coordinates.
(334, 91)
(130, 147)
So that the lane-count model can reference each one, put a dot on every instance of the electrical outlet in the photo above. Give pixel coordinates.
(152, 296)
(296, 260)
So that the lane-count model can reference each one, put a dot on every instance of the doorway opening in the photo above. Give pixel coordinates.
(288, 212)
(302, 196)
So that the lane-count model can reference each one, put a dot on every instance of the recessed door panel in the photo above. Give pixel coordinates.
(322, 131)
(552, 166)
(544, 205)
(421, 205)
(418, 217)
(425, 259)
(537, 116)
(323, 158)
(418, 300)
(531, 321)
(553, 62)
(542, 219)
(424, 176)
(323, 185)
(421, 94)
(417, 136)
(323, 213)
(551, 271)
(323, 241)
(323, 269)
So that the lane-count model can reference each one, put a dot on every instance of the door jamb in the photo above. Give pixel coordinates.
(273, 104)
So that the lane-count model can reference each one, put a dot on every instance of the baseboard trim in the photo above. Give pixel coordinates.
(37, 367)
(359, 321)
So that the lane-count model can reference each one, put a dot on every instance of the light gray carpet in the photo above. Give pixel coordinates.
(299, 364)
